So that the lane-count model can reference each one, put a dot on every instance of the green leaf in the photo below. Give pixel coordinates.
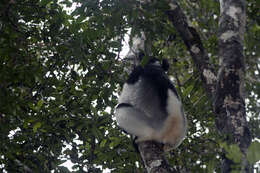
(187, 90)
(103, 143)
(115, 44)
(39, 104)
(63, 169)
(144, 60)
(253, 154)
(114, 143)
(210, 166)
(233, 152)
(36, 126)
(62, 161)
(45, 2)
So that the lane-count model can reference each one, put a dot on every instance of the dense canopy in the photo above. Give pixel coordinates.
(62, 67)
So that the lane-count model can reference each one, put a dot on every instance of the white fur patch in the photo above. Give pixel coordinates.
(173, 104)
(129, 92)
(127, 118)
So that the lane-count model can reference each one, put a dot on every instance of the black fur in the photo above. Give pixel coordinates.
(165, 65)
(134, 76)
(156, 76)
(124, 105)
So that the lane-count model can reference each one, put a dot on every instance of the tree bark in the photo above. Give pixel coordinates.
(152, 156)
(229, 101)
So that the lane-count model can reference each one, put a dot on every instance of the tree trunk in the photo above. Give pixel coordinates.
(229, 101)
(226, 90)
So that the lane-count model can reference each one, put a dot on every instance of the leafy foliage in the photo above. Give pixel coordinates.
(60, 72)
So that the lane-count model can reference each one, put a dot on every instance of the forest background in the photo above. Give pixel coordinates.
(61, 72)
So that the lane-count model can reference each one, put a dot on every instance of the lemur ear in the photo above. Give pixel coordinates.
(165, 65)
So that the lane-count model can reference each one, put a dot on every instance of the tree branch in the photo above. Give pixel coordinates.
(192, 41)
(152, 155)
